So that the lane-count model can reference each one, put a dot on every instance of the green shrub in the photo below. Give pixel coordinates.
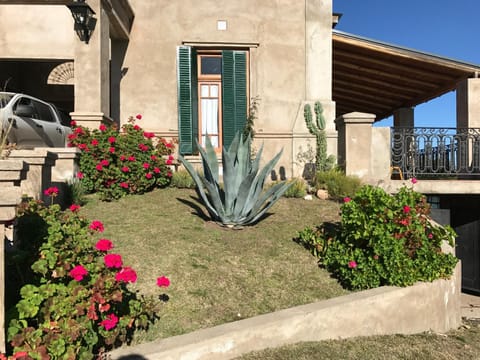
(383, 240)
(297, 189)
(115, 164)
(181, 179)
(79, 305)
(336, 183)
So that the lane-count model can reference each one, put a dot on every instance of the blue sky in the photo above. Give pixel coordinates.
(442, 27)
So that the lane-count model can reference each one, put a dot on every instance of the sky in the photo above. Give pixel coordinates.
(448, 28)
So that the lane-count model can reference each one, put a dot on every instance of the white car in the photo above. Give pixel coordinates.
(34, 123)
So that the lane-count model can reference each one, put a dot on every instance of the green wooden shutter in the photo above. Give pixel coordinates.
(234, 93)
(187, 99)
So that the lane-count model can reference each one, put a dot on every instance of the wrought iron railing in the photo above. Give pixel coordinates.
(436, 152)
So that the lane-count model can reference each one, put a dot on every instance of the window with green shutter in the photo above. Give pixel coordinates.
(199, 97)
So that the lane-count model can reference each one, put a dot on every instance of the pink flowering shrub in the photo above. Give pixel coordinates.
(114, 164)
(79, 304)
(382, 239)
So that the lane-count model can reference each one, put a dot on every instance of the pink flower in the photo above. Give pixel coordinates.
(148, 175)
(110, 322)
(430, 236)
(148, 135)
(72, 136)
(153, 157)
(143, 147)
(112, 139)
(99, 167)
(104, 245)
(169, 145)
(346, 199)
(111, 150)
(170, 157)
(352, 264)
(156, 170)
(51, 191)
(124, 185)
(125, 169)
(94, 142)
(136, 127)
(163, 281)
(105, 162)
(73, 123)
(414, 180)
(404, 222)
(139, 117)
(127, 274)
(406, 209)
(169, 162)
(78, 273)
(146, 165)
(74, 207)
(79, 175)
(78, 130)
(97, 226)
(102, 127)
(113, 260)
(131, 158)
(82, 146)
(122, 157)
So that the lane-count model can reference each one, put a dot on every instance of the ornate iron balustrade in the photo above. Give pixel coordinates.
(436, 152)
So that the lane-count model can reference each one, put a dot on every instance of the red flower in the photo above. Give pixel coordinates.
(169, 174)
(78, 273)
(163, 281)
(112, 139)
(131, 158)
(105, 162)
(113, 260)
(404, 222)
(406, 209)
(146, 165)
(104, 245)
(352, 264)
(103, 307)
(122, 157)
(82, 146)
(112, 150)
(125, 169)
(143, 147)
(73, 123)
(148, 175)
(148, 135)
(94, 142)
(156, 170)
(99, 167)
(124, 185)
(414, 180)
(169, 145)
(169, 162)
(97, 226)
(153, 157)
(430, 236)
(139, 117)
(110, 322)
(74, 207)
(78, 130)
(72, 136)
(346, 199)
(136, 127)
(51, 191)
(79, 175)
(127, 274)
(102, 127)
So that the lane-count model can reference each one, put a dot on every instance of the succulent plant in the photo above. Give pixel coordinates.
(240, 199)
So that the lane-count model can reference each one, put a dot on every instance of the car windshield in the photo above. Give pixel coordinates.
(4, 99)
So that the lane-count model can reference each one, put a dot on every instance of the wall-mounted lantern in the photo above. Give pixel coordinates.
(83, 17)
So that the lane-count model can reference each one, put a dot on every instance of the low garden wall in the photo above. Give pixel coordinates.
(422, 307)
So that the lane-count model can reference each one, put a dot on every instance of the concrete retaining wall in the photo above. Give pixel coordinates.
(387, 310)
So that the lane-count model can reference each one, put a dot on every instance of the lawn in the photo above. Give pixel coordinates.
(218, 275)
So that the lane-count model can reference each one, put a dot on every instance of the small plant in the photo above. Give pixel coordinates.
(78, 305)
(181, 179)
(240, 200)
(248, 130)
(115, 164)
(298, 188)
(322, 161)
(75, 192)
(336, 183)
(383, 240)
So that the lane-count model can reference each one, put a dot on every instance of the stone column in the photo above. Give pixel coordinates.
(403, 117)
(39, 176)
(92, 73)
(468, 103)
(355, 143)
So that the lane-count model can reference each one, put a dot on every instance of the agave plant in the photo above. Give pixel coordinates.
(240, 200)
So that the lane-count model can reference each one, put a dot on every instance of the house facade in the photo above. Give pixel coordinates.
(190, 68)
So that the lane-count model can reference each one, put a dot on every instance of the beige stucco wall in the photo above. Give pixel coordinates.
(36, 32)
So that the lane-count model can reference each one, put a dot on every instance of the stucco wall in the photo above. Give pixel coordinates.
(36, 32)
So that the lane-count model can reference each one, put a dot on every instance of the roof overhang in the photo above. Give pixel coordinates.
(374, 77)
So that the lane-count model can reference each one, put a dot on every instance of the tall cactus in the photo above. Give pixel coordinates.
(322, 162)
